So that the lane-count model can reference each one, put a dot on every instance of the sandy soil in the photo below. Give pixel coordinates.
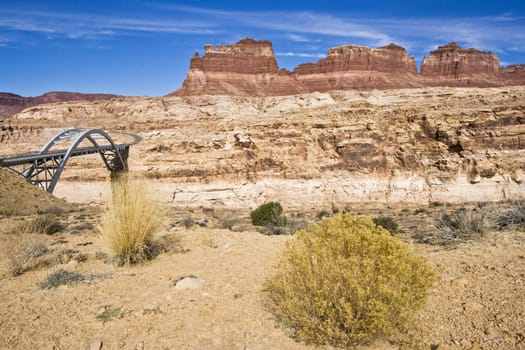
(478, 303)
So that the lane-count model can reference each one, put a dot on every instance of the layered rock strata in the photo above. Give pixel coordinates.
(386, 146)
(249, 68)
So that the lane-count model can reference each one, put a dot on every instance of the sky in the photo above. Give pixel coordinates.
(143, 48)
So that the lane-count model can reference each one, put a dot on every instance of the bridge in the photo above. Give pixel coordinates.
(45, 167)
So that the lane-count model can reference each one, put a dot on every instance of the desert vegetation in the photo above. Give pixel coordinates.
(347, 282)
(130, 222)
(340, 277)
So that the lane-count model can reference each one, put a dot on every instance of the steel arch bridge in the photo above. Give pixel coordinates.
(45, 167)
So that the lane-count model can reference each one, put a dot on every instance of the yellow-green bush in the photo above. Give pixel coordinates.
(130, 222)
(346, 282)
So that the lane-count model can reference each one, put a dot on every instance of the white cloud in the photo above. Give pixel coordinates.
(300, 54)
(298, 38)
(80, 26)
(501, 33)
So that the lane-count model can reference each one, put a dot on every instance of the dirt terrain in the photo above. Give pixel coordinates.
(412, 154)
(477, 303)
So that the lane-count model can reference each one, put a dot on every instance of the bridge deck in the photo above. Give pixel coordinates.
(31, 157)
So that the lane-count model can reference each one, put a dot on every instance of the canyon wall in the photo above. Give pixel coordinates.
(249, 68)
(421, 145)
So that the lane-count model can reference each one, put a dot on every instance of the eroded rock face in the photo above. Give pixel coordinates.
(391, 58)
(406, 145)
(453, 61)
(249, 68)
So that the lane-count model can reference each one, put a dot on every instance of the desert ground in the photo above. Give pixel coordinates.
(209, 160)
(477, 303)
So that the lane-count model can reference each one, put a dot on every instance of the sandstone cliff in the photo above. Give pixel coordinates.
(11, 104)
(406, 145)
(454, 66)
(359, 67)
(249, 68)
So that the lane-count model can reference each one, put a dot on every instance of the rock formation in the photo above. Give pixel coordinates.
(11, 104)
(453, 66)
(453, 61)
(249, 68)
(438, 144)
(359, 67)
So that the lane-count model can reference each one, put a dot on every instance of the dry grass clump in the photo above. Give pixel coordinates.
(346, 282)
(130, 222)
(21, 252)
(463, 225)
(42, 224)
(512, 215)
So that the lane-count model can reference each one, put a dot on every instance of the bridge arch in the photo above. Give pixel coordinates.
(45, 167)
(113, 160)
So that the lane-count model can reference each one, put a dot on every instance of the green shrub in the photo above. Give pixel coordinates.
(388, 223)
(267, 214)
(346, 282)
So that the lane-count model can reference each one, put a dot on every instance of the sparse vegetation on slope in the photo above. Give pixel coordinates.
(19, 197)
(347, 281)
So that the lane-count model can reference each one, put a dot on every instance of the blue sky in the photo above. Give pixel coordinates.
(144, 47)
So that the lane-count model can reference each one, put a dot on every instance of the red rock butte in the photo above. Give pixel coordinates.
(249, 68)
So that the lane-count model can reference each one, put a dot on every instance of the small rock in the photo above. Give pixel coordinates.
(188, 282)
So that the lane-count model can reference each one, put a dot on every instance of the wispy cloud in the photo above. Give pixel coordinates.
(83, 26)
(500, 33)
(300, 54)
(496, 33)
(298, 38)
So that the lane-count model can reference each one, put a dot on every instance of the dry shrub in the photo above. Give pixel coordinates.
(130, 222)
(346, 282)
(21, 252)
(512, 215)
(463, 225)
(61, 277)
(43, 224)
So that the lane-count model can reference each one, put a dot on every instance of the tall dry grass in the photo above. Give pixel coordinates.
(130, 222)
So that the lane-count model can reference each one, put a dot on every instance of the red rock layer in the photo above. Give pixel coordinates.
(359, 67)
(249, 68)
(452, 61)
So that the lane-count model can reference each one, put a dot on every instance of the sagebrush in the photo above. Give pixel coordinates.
(348, 281)
(130, 222)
